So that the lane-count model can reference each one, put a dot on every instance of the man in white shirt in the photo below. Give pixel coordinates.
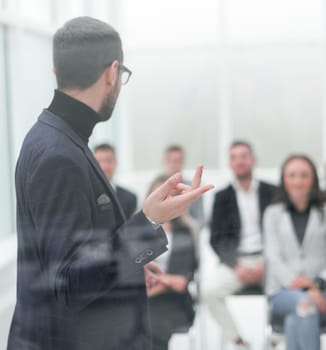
(236, 237)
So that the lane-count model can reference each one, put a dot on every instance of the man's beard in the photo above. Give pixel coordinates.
(108, 103)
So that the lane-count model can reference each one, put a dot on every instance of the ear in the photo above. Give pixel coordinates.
(111, 73)
(54, 70)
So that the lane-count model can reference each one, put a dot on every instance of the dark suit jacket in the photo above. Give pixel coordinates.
(127, 200)
(80, 264)
(225, 222)
(170, 310)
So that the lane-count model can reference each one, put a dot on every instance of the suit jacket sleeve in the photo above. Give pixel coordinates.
(81, 261)
(276, 267)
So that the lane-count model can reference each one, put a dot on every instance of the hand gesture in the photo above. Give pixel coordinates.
(172, 199)
(302, 282)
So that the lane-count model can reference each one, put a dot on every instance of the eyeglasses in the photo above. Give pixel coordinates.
(123, 70)
(125, 73)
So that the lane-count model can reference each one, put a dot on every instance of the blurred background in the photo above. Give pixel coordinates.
(204, 72)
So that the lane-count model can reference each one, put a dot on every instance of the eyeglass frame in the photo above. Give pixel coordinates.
(122, 69)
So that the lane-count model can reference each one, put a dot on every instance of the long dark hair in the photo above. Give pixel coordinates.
(317, 197)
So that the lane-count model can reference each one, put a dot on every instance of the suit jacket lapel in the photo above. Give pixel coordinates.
(51, 119)
(263, 201)
(289, 233)
(234, 207)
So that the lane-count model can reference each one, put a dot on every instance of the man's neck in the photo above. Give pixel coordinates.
(87, 96)
(245, 182)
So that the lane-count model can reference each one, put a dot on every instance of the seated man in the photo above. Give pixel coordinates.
(236, 238)
(106, 157)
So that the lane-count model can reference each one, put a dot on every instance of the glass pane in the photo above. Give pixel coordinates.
(172, 99)
(276, 100)
(31, 80)
(3, 4)
(169, 22)
(67, 9)
(36, 10)
(6, 207)
(278, 20)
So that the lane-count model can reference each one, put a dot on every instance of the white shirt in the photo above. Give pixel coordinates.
(250, 231)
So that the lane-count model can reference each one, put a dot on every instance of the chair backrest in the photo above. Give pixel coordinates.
(251, 290)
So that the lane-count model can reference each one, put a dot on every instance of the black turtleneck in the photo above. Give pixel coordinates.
(299, 220)
(81, 118)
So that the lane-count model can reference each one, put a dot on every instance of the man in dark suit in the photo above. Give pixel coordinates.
(81, 282)
(236, 237)
(106, 156)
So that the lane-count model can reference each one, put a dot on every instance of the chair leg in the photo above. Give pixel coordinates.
(268, 337)
(192, 339)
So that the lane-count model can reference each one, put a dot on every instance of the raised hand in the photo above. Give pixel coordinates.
(172, 199)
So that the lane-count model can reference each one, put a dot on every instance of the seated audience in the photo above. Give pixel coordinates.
(295, 248)
(106, 157)
(236, 238)
(170, 302)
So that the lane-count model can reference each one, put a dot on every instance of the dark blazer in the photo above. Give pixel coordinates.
(80, 264)
(127, 200)
(226, 223)
(170, 310)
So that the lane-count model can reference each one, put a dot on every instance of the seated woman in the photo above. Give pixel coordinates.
(295, 249)
(170, 303)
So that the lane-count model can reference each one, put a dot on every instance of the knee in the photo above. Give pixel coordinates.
(213, 293)
(207, 293)
(305, 307)
(210, 294)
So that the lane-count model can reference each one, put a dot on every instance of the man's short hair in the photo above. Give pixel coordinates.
(104, 147)
(174, 148)
(242, 143)
(82, 49)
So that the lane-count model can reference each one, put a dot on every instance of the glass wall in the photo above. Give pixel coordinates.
(272, 102)
(6, 205)
(31, 78)
(204, 73)
(208, 72)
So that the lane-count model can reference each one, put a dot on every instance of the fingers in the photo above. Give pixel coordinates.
(169, 185)
(197, 178)
(154, 268)
(182, 187)
(187, 197)
(150, 278)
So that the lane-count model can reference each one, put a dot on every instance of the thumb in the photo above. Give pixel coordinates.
(170, 184)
